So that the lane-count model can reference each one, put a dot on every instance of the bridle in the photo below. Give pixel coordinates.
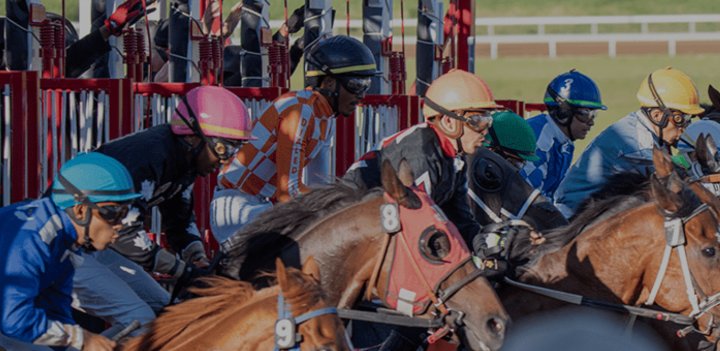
(445, 319)
(675, 239)
(286, 326)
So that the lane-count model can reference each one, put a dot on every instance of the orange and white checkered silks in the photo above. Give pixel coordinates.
(289, 134)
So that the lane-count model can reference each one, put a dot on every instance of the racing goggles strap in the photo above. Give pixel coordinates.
(476, 122)
(194, 125)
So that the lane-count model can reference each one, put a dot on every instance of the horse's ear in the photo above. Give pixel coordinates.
(665, 199)
(706, 152)
(714, 96)
(281, 273)
(712, 152)
(663, 163)
(405, 173)
(311, 268)
(396, 189)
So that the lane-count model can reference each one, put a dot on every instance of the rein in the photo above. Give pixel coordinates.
(286, 333)
(503, 212)
(675, 239)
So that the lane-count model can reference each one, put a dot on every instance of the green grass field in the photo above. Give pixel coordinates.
(618, 78)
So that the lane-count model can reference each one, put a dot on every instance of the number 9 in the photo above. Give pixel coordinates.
(284, 333)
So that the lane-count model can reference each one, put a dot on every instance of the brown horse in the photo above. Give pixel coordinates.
(613, 250)
(231, 315)
(498, 192)
(392, 244)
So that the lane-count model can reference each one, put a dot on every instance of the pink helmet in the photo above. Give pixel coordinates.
(220, 113)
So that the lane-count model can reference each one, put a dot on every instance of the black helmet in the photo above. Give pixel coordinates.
(340, 55)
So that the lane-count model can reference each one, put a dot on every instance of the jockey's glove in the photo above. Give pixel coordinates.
(126, 14)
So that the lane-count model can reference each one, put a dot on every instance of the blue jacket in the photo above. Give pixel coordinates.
(625, 146)
(36, 242)
(555, 151)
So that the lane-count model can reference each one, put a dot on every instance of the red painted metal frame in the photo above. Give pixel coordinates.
(408, 108)
(25, 112)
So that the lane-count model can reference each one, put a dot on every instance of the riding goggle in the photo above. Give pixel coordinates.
(357, 86)
(680, 119)
(585, 115)
(225, 149)
(113, 214)
(478, 122)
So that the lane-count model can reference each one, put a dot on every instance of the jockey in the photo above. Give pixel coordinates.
(572, 100)
(686, 145)
(206, 129)
(39, 249)
(511, 137)
(295, 134)
(457, 108)
(668, 99)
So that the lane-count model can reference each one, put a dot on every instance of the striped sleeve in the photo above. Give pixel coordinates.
(290, 155)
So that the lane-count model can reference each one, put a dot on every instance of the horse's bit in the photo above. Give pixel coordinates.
(286, 333)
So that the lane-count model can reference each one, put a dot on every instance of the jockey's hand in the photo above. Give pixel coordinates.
(191, 273)
(126, 14)
(96, 342)
(201, 262)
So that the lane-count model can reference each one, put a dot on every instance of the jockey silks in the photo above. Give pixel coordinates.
(437, 168)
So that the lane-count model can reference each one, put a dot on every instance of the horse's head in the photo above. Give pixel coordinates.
(310, 323)
(498, 192)
(689, 285)
(429, 270)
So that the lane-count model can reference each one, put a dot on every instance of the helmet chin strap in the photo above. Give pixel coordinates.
(332, 95)
(85, 223)
(666, 112)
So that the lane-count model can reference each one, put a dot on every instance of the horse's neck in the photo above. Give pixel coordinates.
(352, 242)
(605, 261)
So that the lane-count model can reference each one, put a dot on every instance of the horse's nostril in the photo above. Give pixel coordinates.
(496, 326)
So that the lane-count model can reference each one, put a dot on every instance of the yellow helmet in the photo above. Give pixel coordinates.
(673, 88)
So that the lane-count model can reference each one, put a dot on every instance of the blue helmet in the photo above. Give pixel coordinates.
(98, 177)
(577, 89)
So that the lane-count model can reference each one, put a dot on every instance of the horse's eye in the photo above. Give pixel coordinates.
(709, 251)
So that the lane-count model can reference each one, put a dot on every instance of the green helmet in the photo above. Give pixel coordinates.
(512, 134)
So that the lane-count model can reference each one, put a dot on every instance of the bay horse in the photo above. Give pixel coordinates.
(230, 315)
(498, 192)
(391, 243)
(613, 252)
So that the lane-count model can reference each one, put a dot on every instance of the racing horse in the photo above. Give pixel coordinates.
(658, 249)
(391, 243)
(231, 315)
(498, 192)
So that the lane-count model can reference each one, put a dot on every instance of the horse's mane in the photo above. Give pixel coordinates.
(291, 218)
(219, 297)
(621, 192)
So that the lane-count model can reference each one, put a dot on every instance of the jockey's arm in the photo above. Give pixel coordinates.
(23, 320)
(291, 153)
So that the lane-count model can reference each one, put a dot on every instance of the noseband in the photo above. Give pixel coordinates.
(675, 238)
(286, 333)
